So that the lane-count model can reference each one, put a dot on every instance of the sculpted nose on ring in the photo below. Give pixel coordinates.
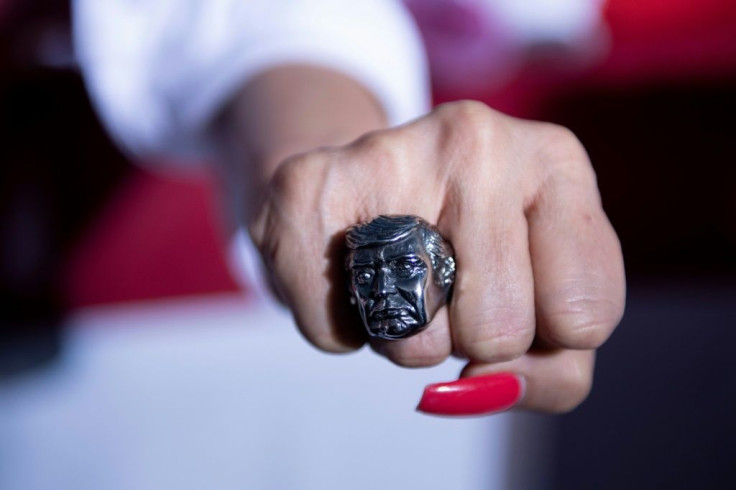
(383, 285)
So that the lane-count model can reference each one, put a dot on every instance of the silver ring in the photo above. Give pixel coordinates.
(401, 271)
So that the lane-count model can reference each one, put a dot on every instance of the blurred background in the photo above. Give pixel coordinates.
(131, 358)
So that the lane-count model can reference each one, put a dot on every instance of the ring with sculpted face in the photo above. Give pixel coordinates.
(401, 271)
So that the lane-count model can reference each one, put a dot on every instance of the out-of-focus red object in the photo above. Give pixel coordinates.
(159, 236)
(669, 40)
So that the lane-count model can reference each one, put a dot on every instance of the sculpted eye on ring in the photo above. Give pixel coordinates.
(401, 271)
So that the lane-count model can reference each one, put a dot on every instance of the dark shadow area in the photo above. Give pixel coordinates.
(665, 157)
(58, 167)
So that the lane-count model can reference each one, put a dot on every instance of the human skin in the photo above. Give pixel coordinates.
(540, 279)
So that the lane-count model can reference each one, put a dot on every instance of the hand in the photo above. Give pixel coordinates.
(540, 280)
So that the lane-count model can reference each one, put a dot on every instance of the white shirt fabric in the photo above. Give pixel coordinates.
(158, 71)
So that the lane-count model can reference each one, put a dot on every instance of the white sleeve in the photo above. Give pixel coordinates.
(158, 70)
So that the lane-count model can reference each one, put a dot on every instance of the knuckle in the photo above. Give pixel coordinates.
(561, 141)
(563, 154)
(465, 111)
(380, 147)
(289, 180)
(498, 337)
(384, 152)
(472, 121)
(584, 322)
(478, 138)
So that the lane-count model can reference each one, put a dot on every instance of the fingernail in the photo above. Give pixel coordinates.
(472, 396)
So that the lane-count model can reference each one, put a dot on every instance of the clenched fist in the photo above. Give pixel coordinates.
(540, 279)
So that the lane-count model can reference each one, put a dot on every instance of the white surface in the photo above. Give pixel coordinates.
(215, 393)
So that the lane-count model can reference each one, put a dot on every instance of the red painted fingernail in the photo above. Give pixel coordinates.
(472, 396)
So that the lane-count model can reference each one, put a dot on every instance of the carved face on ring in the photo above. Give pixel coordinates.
(393, 281)
(388, 282)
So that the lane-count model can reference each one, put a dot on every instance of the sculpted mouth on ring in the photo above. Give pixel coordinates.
(391, 313)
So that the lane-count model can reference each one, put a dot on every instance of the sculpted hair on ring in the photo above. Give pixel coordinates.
(390, 229)
(381, 231)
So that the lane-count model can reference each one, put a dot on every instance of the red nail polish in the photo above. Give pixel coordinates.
(472, 396)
